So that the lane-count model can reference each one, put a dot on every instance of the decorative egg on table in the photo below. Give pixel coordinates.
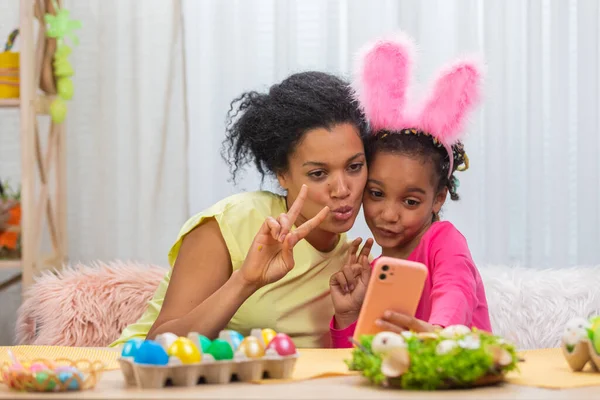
(234, 338)
(282, 344)
(45, 379)
(166, 339)
(201, 341)
(131, 347)
(151, 352)
(71, 378)
(264, 335)
(185, 351)
(251, 347)
(38, 367)
(220, 350)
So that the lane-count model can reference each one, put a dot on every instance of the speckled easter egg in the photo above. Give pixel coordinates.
(45, 381)
(70, 378)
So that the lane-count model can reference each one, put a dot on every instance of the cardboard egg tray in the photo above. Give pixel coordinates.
(582, 354)
(146, 376)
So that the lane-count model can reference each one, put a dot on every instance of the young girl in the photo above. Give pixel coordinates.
(412, 156)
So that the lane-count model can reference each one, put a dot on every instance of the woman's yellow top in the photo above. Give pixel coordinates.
(299, 304)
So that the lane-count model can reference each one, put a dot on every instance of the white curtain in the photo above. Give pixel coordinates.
(126, 129)
(532, 195)
(127, 133)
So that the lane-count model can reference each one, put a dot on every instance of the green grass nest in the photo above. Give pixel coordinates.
(429, 369)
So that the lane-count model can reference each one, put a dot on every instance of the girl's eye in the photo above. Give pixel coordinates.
(412, 202)
(375, 193)
(317, 174)
(356, 167)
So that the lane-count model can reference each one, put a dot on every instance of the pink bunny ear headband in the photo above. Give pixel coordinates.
(382, 82)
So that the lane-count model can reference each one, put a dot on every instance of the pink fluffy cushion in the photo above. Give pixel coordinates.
(86, 305)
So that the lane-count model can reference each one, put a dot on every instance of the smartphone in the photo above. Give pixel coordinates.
(395, 285)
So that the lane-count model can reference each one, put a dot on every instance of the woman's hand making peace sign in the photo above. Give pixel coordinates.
(270, 256)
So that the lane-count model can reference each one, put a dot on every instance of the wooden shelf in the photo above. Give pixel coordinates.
(43, 155)
(10, 103)
(9, 264)
(41, 103)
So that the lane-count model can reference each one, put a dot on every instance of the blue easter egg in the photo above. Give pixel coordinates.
(151, 352)
(234, 338)
(131, 347)
(66, 375)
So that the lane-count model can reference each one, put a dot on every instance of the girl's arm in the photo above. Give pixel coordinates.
(453, 295)
(203, 293)
(340, 338)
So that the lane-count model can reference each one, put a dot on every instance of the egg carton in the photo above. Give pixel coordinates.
(146, 376)
(577, 346)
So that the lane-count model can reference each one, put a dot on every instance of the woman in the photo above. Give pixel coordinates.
(242, 264)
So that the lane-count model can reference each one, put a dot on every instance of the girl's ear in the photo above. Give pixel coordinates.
(382, 78)
(455, 93)
(439, 200)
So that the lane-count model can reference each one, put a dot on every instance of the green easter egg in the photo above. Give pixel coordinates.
(42, 378)
(58, 110)
(220, 350)
(204, 343)
(65, 88)
(596, 340)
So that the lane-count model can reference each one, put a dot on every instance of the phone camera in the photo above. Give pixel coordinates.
(385, 267)
(382, 276)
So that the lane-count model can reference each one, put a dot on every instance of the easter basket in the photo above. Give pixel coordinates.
(581, 343)
(455, 357)
(61, 375)
(170, 360)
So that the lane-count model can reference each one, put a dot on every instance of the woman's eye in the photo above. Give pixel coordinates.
(356, 167)
(412, 203)
(375, 193)
(317, 174)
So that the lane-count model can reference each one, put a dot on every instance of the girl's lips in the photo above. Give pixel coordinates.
(387, 233)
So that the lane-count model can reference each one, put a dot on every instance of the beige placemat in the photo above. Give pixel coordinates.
(318, 363)
(547, 368)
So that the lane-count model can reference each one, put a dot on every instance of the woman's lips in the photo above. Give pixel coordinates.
(343, 213)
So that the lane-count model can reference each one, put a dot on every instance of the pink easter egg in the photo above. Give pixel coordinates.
(282, 344)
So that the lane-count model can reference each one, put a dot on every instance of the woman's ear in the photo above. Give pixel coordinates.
(282, 178)
(439, 200)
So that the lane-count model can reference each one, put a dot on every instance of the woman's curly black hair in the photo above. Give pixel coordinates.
(265, 128)
(416, 143)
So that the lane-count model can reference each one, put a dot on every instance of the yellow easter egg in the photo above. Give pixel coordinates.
(252, 347)
(185, 350)
(268, 335)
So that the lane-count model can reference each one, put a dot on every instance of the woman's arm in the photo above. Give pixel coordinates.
(203, 294)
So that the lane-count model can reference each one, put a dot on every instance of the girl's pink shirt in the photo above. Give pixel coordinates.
(453, 293)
